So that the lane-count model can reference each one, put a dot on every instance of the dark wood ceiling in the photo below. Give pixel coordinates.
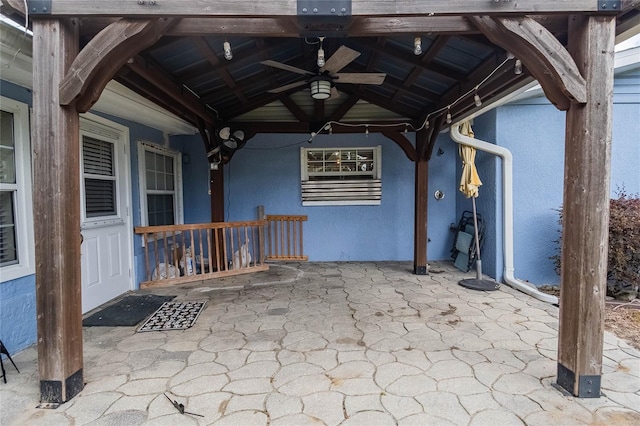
(414, 87)
(185, 70)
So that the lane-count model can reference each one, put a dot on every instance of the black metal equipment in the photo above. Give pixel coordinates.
(3, 350)
(464, 251)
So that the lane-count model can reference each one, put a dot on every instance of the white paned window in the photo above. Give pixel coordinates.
(160, 185)
(16, 216)
(341, 176)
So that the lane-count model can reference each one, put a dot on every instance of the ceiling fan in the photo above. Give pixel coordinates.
(322, 83)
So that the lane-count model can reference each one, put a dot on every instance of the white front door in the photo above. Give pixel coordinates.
(106, 225)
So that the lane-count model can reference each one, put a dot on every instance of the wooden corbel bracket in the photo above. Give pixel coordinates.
(104, 55)
(543, 55)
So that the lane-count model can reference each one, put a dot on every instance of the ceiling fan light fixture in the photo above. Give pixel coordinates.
(320, 87)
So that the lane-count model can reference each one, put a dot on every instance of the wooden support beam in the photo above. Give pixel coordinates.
(421, 189)
(205, 50)
(146, 89)
(544, 56)
(344, 108)
(402, 142)
(363, 26)
(585, 227)
(104, 55)
(216, 186)
(265, 8)
(294, 109)
(164, 84)
(56, 214)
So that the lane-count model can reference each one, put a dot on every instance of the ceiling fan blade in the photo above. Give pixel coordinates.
(287, 87)
(360, 78)
(286, 67)
(334, 93)
(343, 57)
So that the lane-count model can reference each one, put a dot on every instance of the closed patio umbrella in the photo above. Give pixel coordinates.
(469, 184)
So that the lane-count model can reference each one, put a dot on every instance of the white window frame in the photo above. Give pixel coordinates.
(143, 147)
(23, 199)
(351, 186)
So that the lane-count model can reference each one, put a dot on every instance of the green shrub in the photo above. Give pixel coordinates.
(623, 272)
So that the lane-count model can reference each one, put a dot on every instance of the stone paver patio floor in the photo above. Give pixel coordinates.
(335, 343)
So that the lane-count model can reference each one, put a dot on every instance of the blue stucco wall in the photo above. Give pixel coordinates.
(18, 313)
(534, 131)
(267, 172)
(195, 174)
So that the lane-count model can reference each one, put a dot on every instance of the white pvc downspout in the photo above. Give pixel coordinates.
(507, 211)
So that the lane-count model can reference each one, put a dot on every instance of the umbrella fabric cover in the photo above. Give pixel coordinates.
(470, 181)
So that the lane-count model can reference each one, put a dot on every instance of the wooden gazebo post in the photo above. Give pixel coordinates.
(421, 201)
(586, 209)
(56, 213)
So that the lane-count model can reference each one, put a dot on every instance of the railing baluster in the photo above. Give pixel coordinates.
(174, 246)
(226, 253)
(146, 255)
(155, 248)
(300, 233)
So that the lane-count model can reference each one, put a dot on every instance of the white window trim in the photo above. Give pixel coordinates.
(142, 178)
(341, 192)
(24, 197)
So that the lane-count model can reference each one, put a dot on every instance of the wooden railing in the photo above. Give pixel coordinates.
(284, 237)
(185, 253)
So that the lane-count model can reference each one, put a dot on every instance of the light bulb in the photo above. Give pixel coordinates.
(518, 67)
(426, 124)
(417, 46)
(448, 118)
(321, 57)
(405, 129)
(366, 131)
(477, 100)
(227, 51)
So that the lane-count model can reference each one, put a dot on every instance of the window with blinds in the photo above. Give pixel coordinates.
(99, 177)
(341, 176)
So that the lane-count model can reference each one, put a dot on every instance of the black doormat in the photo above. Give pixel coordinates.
(127, 312)
(174, 316)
